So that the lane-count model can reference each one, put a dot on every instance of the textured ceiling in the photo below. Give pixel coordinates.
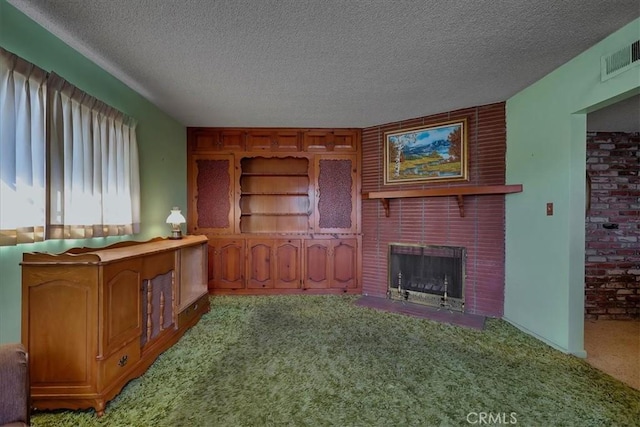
(327, 63)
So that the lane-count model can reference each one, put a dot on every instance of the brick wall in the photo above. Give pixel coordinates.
(612, 259)
(436, 220)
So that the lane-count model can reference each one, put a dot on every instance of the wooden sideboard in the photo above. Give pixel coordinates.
(93, 319)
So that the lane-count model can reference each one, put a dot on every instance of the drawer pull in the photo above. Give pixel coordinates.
(123, 360)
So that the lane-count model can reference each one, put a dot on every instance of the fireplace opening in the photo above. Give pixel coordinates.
(426, 274)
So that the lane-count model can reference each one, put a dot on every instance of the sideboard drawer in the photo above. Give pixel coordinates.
(192, 313)
(120, 361)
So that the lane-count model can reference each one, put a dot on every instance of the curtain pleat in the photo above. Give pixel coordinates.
(94, 172)
(22, 150)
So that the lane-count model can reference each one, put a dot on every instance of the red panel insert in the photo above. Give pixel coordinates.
(213, 185)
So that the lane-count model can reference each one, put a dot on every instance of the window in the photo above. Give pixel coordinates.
(75, 177)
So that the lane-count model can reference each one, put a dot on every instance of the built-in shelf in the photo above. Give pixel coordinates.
(459, 192)
(274, 195)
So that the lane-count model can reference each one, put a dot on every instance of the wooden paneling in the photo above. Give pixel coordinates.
(291, 195)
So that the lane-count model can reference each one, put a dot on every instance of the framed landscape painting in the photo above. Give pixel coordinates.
(431, 153)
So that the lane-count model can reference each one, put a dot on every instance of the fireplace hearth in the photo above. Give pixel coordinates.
(427, 274)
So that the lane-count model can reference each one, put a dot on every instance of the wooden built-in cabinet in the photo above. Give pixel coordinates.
(280, 207)
(93, 319)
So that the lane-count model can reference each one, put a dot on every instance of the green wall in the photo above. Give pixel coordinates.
(546, 152)
(161, 143)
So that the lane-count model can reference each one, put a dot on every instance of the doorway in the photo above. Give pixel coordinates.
(612, 241)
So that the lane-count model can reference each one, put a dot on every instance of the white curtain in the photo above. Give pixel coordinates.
(94, 179)
(22, 150)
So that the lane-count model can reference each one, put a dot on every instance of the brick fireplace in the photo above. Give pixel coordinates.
(436, 221)
(612, 258)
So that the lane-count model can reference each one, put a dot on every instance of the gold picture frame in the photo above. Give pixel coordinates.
(432, 153)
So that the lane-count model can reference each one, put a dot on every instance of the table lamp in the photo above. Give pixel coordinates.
(175, 218)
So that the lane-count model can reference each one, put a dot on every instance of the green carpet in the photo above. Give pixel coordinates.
(322, 361)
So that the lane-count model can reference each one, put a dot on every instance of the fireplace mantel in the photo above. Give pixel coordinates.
(459, 192)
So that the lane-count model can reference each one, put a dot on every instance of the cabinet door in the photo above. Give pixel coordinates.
(327, 140)
(336, 184)
(287, 265)
(158, 296)
(344, 263)
(232, 140)
(226, 264)
(211, 139)
(203, 140)
(60, 324)
(317, 264)
(259, 140)
(287, 141)
(330, 263)
(272, 140)
(260, 261)
(211, 193)
(121, 303)
(273, 263)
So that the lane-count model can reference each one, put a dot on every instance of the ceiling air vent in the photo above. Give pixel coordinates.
(620, 61)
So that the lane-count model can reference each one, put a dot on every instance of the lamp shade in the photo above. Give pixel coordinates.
(175, 217)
